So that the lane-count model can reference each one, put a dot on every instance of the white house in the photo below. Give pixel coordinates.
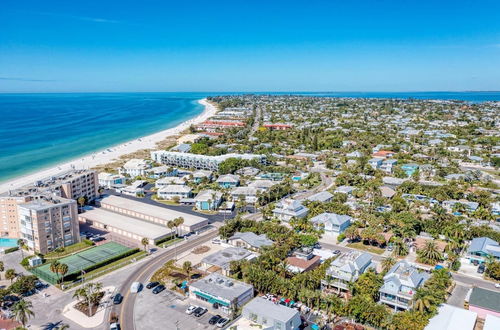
(169, 192)
(135, 167)
(287, 209)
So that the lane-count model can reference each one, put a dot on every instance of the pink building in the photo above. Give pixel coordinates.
(484, 302)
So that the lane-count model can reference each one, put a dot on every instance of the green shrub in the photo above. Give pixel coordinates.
(341, 237)
(12, 249)
(455, 265)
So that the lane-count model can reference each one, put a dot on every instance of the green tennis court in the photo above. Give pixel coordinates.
(83, 260)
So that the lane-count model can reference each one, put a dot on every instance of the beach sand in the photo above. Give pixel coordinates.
(104, 156)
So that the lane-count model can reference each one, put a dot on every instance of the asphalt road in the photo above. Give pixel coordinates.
(126, 312)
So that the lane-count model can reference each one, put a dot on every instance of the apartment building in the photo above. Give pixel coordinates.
(46, 223)
(203, 162)
(72, 185)
(9, 215)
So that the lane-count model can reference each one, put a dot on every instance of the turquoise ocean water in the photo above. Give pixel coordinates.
(40, 130)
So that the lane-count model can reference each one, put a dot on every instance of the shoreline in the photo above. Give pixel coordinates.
(104, 156)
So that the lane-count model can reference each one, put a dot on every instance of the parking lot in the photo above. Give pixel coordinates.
(166, 310)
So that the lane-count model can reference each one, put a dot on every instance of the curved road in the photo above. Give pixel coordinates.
(143, 274)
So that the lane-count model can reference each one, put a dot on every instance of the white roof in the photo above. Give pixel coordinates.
(131, 225)
(152, 210)
(491, 322)
(452, 318)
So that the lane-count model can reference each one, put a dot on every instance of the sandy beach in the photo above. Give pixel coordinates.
(110, 154)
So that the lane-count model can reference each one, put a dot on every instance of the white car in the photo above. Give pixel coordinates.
(191, 309)
(497, 285)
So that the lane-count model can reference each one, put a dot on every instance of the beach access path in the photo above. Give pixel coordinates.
(110, 154)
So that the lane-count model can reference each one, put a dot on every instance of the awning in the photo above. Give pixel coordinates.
(211, 299)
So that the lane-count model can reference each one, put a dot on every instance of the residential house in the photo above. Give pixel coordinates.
(224, 292)
(345, 190)
(388, 165)
(162, 171)
(271, 316)
(322, 197)
(482, 248)
(249, 194)
(302, 261)
(249, 240)
(135, 167)
(400, 285)
(228, 181)
(332, 223)
(375, 163)
(409, 169)
(170, 192)
(208, 200)
(287, 209)
(346, 269)
(199, 175)
(183, 147)
(109, 180)
(451, 205)
(452, 318)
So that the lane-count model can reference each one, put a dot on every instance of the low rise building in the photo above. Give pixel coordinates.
(331, 223)
(400, 285)
(208, 200)
(346, 269)
(170, 192)
(482, 248)
(270, 315)
(220, 261)
(249, 240)
(302, 261)
(228, 181)
(135, 167)
(452, 318)
(322, 197)
(109, 180)
(484, 302)
(287, 209)
(249, 194)
(224, 292)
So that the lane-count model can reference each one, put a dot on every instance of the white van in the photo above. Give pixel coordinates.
(135, 287)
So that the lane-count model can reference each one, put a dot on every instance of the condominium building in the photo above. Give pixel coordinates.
(72, 184)
(188, 160)
(9, 215)
(135, 167)
(47, 223)
(109, 180)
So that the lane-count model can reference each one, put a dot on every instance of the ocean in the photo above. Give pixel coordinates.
(42, 130)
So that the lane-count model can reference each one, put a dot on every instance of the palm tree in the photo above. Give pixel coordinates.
(10, 274)
(21, 243)
(2, 268)
(54, 266)
(423, 302)
(387, 263)
(187, 267)
(145, 243)
(62, 269)
(429, 254)
(81, 201)
(79, 293)
(22, 311)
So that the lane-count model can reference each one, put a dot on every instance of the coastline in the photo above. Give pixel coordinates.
(104, 156)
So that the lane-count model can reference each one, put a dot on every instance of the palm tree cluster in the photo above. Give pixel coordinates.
(22, 311)
(60, 269)
(432, 293)
(89, 295)
(429, 254)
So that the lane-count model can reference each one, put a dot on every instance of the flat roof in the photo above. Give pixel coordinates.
(270, 310)
(151, 210)
(221, 286)
(126, 223)
(452, 318)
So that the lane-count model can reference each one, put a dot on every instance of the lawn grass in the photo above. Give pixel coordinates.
(77, 247)
(368, 248)
(106, 269)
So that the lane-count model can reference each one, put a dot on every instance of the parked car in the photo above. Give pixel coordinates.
(117, 299)
(158, 289)
(216, 241)
(114, 326)
(214, 319)
(222, 322)
(98, 239)
(191, 309)
(481, 268)
(151, 285)
(200, 311)
(135, 287)
(336, 252)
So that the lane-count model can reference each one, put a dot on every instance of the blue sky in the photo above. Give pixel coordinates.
(239, 45)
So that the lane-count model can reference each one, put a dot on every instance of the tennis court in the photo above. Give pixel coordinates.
(83, 260)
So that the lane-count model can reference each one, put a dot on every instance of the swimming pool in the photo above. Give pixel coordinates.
(8, 242)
